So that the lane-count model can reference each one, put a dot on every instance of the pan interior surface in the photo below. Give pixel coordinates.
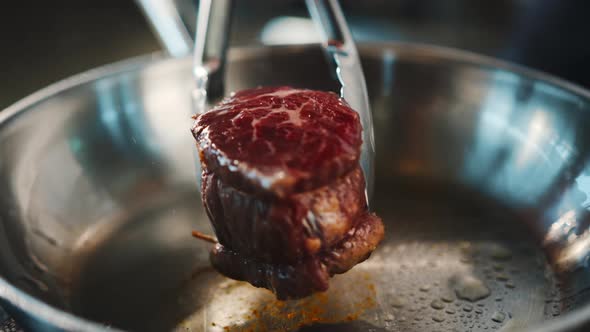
(481, 180)
(448, 261)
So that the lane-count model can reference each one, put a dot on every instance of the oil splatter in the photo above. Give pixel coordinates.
(498, 317)
(468, 287)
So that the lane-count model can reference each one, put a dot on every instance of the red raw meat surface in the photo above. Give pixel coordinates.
(279, 140)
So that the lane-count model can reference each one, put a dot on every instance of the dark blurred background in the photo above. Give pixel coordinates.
(43, 42)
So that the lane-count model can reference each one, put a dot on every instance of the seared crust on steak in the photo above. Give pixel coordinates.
(309, 275)
(284, 230)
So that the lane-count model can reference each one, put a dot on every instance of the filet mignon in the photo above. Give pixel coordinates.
(283, 188)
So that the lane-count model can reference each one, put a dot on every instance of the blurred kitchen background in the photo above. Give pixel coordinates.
(43, 42)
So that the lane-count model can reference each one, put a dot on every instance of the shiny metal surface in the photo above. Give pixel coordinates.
(481, 177)
(210, 52)
(342, 54)
(168, 25)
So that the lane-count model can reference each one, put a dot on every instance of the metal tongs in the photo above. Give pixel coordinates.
(210, 52)
(211, 41)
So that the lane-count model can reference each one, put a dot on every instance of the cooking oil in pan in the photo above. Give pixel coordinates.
(439, 268)
(443, 266)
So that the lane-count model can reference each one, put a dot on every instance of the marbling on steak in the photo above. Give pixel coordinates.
(279, 140)
(284, 190)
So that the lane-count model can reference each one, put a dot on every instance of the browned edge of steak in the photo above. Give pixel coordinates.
(284, 230)
(292, 281)
(247, 178)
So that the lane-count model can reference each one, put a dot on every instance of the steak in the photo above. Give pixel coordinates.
(279, 140)
(284, 230)
(282, 186)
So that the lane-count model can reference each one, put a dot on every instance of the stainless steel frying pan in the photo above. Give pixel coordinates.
(482, 178)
